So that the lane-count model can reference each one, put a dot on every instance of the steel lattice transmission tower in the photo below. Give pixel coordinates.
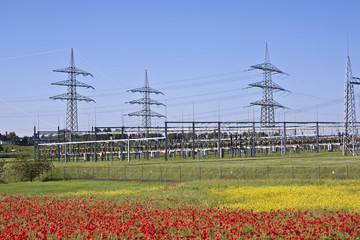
(350, 131)
(267, 102)
(72, 97)
(146, 113)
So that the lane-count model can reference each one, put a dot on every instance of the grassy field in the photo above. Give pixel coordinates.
(65, 187)
(259, 195)
(306, 196)
(306, 165)
(213, 209)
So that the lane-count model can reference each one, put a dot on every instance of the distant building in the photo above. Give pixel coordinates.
(6, 142)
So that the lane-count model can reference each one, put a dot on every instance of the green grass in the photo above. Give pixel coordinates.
(306, 165)
(59, 187)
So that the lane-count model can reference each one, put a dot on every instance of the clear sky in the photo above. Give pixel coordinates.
(196, 53)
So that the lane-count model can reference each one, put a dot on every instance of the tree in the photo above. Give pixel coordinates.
(28, 169)
(13, 138)
(27, 141)
(3, 137)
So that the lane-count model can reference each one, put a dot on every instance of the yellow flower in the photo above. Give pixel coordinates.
(265, 198)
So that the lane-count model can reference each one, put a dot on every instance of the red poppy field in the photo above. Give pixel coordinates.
(90, 217)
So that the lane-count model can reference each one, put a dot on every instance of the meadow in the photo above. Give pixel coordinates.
(208, 209)
(157, 199)
(306, 165)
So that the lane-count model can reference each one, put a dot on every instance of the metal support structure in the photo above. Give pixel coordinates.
(219, 140)
(267, 103)
(128, 150)
(317, 137)
(240, 146)
(207, 137)
(35, 143)
(284, 139)
(166, 142)
(350, 131)
(182, 144)
(122, 157)
(253, 141)
(72, 97)
(231, 145)
(58, 147)
(193, 140)
(146, 113)
(95, 145)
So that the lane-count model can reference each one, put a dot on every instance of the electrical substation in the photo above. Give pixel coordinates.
(196, 139)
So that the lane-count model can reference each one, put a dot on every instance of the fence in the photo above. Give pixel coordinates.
(191, 173)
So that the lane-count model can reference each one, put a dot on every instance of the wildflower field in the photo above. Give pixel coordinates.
(216, 209)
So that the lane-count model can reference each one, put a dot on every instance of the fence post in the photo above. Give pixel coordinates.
(109, 170)
(292, 172)
(268, 168)
(347, 171)
(243, 172)
(64, 172)
(179, 173)
(93, 171)
(319, 172)
(78, 171)
(142, 173)
(199, 172)
(220, 172)
(160, 173)
(50, 174)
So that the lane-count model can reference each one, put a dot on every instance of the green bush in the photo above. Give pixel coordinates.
(8, 155)
(27, 169)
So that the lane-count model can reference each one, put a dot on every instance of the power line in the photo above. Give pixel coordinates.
(32, 54)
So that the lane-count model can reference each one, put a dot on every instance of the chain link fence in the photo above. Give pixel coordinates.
(190, 173)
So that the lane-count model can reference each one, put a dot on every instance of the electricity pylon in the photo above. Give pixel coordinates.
(146, 113)
(350, 131)
(72, 97)
(267, 103)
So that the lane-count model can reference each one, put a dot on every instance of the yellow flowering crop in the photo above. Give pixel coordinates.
(266, 198)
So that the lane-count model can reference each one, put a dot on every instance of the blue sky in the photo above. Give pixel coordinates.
(196, 52)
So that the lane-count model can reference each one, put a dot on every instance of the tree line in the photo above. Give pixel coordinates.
(14, 139)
